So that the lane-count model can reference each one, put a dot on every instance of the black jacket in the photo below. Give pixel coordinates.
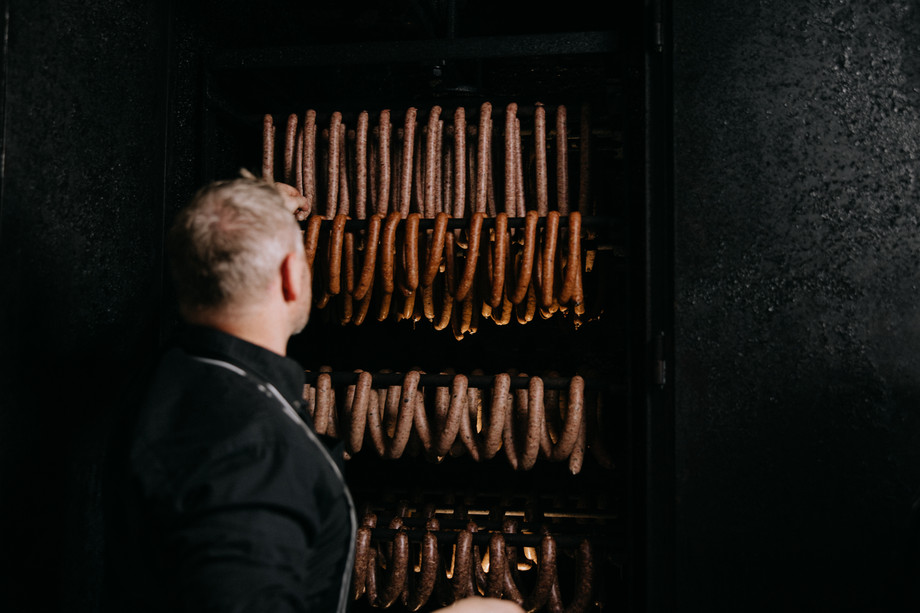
(221, 498)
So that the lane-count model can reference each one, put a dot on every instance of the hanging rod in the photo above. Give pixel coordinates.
(386, 379)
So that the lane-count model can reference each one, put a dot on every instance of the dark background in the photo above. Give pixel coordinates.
(794, 463)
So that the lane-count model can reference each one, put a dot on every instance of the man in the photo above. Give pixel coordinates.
(231, 502)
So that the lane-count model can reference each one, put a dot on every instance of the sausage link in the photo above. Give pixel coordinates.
(298, 167)
(311, 237)
(519, 206)
(357, 417)
(374, 426)
(482, 165)
(459, 166)
(407, 157)
(498, 409)
(309, 160)
(371, 238)
(458, 411)
(334, 254)
(468, 435)
(577, 457)
(510, 590)
(509, 432)
(410, 253)
(289, 143)
(548, 258)
(447, 303)
(472, 256)
(420, 422)
(435, 248)
(562, 163)
(499, 257)
(584, 579)
(322, 417)
(359, 576)
(462, 579)
(344, 204)
(536, 419)
(388, 256)
(397, 570)
(383, 160)
(510, 182)
(361, 166)
(332, 165)
(372, 578)
(431, 160)
(573, 258)
(268, 148)
(497, 566)
(525, 271)
(573, 420)
(546, 575)
(407, 402)
(429, 568)
(540, 149)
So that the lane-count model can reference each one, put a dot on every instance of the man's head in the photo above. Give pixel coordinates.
(235, 249)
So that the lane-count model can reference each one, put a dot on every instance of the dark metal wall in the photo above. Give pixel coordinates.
(797, 327)
(84, 139)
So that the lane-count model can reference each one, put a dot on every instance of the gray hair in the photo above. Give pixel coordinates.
(227, 243)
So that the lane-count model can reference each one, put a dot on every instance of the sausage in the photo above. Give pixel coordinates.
(510, 589)
(540, 149)
(374, 426)
(458, 412)
(384, 306)
(361, 166)
(462, 579)
(344, 205)
(431, 187)
(510, 182)
(435, 248)
(298, 165)
(410, 253)
(420, 421)
(383, 159)
(536, 419)
(332, 166)
(548, 258)
(359, 576)
(519, 207)
(429, 568)
(268, 148)
(498, 409)
(497, 566)
(357, 417)
(482, 169)
(459, 166)
(371, 237)
(311, 237)
(408, 144)
(390, 404)
(468, 434)
(573, 259)
(584, 177)
(418, 176)
(387, 257)
(546, 575)
(407, 402)
(447, 304)
(499, 257)
(573, 420)
(309, 159)
(525, 271)
(322, 416)
(480, 580)
(562, 148)
(509, 434)
(348, 259)
(289, 142)
(397, 570)
(472, 256)
(336, 238)
(584, 579)
(364, 305)
(372, 577)
(577, 456)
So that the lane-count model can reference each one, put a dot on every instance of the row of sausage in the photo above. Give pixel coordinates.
(392, 267)
(525, 424)
(429, 166)
(441, 566)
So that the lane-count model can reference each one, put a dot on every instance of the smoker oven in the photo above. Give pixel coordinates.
(359, 107)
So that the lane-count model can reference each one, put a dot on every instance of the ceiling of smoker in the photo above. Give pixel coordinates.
(240, 23)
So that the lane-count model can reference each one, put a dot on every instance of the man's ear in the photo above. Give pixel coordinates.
(292, 277)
